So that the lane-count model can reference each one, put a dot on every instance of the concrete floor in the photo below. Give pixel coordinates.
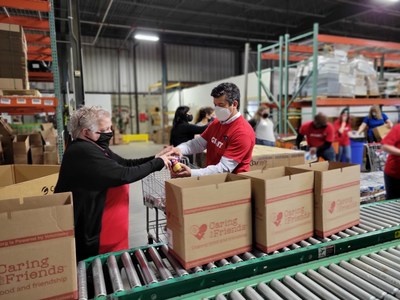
(137, 210)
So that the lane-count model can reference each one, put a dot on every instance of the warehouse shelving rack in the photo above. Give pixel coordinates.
(38, 20)
(291, 51)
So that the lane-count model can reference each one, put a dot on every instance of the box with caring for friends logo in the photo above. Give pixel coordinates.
(283, 206)
(336, 196)
(37, 248)
(208, 218)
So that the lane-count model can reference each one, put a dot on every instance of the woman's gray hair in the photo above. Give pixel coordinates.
(86, 118)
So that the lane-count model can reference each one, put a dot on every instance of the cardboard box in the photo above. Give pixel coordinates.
(27, 180)
(37, 248)
(49, 134)
(21, 144)
(36, 155)
(208, 218)
(380, 132)
(11, 84)
(336, 196)
(283, 206)
(269, 157)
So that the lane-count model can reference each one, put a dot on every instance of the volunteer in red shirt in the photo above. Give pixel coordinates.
(320, 135)
(229, 139)
(391, 145)
(342, 129)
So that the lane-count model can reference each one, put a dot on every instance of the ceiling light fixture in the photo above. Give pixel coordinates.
(146, 37)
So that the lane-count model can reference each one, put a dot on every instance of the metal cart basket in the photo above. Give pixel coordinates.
(377, 157)
(153, 187)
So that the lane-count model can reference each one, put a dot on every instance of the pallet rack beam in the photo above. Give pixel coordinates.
(26, 22)
(36, 5)
(35, 38)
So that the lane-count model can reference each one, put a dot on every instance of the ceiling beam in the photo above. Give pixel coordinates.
(204, 14)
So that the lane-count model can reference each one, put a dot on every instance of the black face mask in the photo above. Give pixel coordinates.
(265, 115)
(104, 139)
(189, 118)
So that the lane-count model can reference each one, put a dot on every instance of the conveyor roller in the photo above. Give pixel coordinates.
(151, 271)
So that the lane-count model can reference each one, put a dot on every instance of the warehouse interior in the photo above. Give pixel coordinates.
(300, 222)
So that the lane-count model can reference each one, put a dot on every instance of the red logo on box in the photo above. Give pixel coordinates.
(278, 219)
(332, 207)
(198, 232)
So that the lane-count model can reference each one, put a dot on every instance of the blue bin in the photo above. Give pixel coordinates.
(357, 151)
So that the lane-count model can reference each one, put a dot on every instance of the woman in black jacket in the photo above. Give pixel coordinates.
(98, 179)
(182, 131)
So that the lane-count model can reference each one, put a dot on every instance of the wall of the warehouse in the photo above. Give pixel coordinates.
(183, 63)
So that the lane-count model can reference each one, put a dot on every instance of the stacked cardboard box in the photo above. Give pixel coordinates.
(36, 148)
(269, 157)
(21, 149)
(45, 226)
(208, 218)
(390, 87)
(283, 202)
(7, 138)
(49, 135)
(13, 57)
(336, 196)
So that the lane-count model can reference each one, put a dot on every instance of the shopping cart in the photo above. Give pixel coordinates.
(377, 157)
(153, 187)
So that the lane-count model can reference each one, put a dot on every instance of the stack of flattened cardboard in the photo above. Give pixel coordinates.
(13, 58)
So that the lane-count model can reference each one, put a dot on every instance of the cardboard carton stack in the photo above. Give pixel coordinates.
(7, 138)
(21, 149)
(45, 226)
(49, 135)
(270, 157)
(390, 87)
(13, 58)
(208, 218)
(336, 196)
(283, 202)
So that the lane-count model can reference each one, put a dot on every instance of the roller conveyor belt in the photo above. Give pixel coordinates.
(370, 273)
(150, 272)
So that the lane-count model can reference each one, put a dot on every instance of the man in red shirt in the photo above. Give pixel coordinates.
(320, 135)
(391, 145)
(229, 139)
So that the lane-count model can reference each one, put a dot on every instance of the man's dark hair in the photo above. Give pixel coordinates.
(230, 90)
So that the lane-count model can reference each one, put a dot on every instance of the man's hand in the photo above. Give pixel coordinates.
(185, 171)
(167, 150)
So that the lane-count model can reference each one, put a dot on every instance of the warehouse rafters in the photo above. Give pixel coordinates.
(233, 22)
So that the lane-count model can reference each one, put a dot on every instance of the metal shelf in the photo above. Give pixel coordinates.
(18, 105)
(289, 51)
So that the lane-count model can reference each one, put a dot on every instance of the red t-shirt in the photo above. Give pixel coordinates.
(316, 137)
(343, 138)
(234, 140)
(393, 162)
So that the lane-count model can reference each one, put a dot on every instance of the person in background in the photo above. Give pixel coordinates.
(342, 129)
(229, 139)
(374, 119)
(205, 116)
(182, 130)
(263, 127)
(391, 145)
(98, 179)
(320, 135)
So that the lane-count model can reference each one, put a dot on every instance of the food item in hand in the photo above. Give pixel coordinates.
(176, 166)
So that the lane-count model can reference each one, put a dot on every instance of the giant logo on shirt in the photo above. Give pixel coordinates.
(216, 142)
